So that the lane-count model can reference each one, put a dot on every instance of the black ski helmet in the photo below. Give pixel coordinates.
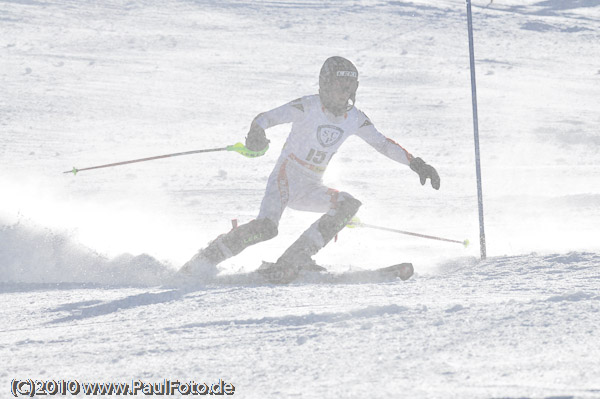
(338, 82)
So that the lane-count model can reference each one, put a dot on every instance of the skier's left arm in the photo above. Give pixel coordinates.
(396, 152)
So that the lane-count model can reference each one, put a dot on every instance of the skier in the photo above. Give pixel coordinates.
(320, 124)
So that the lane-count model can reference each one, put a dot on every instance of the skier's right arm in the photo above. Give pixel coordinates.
(257, 139)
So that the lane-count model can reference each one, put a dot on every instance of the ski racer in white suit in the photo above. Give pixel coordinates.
(320, 124)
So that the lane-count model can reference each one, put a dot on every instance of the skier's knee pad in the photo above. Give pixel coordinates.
(348, 204)
(331, 224)
(266, 228)
(251, 233)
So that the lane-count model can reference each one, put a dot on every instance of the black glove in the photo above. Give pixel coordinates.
(424, 171)
(256, 140)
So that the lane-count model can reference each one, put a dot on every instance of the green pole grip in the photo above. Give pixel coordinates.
(241, 149)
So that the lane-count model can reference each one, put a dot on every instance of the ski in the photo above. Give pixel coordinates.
(267, 274)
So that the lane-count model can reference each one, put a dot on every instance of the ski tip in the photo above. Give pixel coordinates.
(402, 270)
(406, 271)
(466, 243)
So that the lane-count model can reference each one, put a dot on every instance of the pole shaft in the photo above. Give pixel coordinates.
(150, 158)
(409, 233)
(476, 132)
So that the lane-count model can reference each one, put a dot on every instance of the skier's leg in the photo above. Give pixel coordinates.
(343, 208)
(263, 228)
(230, 244)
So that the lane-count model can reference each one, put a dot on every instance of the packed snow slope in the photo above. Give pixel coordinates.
(86, 261)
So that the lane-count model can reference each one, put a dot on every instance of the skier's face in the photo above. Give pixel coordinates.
(336, 93)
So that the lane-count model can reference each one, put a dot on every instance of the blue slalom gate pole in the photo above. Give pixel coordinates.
(476, 132)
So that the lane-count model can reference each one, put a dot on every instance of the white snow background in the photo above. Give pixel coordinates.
(84, 259)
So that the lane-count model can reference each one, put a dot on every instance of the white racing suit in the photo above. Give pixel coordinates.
(296, 182)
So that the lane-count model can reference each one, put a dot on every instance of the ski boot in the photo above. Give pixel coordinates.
(204, 263)
(278, 273)
(311, 266)
(286, 269)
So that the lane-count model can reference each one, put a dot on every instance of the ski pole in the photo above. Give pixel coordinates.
(237, 147)
(355, 222)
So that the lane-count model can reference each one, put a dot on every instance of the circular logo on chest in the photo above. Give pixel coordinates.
(328, 135)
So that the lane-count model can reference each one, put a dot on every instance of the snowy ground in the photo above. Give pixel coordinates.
(87, 83)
